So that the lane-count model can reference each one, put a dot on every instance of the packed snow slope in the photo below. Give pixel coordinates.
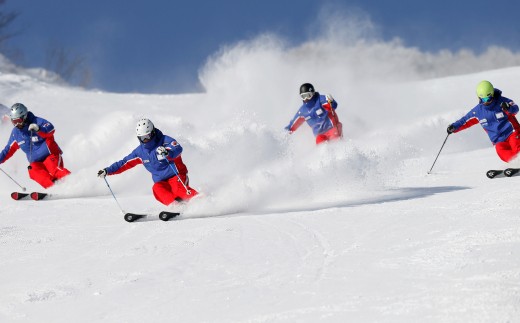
(285, 231)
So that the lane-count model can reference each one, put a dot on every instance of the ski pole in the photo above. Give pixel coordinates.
(114, 195)
(30, 150)
(23, 188)
(178, 175)
(439, 153)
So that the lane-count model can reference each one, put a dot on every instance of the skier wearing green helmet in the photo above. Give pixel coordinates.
(496, 114)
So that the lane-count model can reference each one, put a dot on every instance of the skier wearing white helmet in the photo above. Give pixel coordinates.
(161, 156)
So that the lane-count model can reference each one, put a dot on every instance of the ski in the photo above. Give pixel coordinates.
(164, 216)
(18, 196)
(131, 217)
(508, 172)
(36, 196)
(492, 173)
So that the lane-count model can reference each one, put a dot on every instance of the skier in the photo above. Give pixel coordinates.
(496, 114)
(319, 112)
(161, 156)
(35, 136)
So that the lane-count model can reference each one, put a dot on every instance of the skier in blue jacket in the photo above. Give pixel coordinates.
(35, 136)
(496, 114)
(319, 113)
(161, 156)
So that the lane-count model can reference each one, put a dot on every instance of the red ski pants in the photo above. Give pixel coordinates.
(47, 172)
(334, 133)
(172, 190)
(507, 150)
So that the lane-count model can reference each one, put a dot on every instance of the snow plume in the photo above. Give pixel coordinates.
(395, 102)
(233, 135)
(344, 48)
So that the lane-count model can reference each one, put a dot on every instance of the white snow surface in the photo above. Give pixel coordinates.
(284, 230)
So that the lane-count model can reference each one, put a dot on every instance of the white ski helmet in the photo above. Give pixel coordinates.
(144, 130)
(18, 114)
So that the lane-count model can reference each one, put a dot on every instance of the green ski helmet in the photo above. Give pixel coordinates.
(485, 90)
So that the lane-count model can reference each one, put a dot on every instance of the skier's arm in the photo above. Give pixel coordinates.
(9, 150)
(465, 122)
(509, 107)
(46, 130)
(330, 104)
(124, 164)
(295, 123)
(173, 147)
(42, 128)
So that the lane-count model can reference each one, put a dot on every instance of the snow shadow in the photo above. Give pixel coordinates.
(387, 196)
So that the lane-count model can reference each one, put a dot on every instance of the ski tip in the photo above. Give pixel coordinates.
(165, 216)
(38, 196)
(131, 217)
(509, 172)
(493, 173)
(18, 196)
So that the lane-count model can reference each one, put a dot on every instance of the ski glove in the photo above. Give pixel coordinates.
(102, 173)
(161, 151)
(34, 127)
(451, 129)
(329, 97)
(505, 106)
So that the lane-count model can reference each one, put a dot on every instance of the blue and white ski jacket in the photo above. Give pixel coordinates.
(498, 123)
(156, 164)
(36, 147)
(318, 114)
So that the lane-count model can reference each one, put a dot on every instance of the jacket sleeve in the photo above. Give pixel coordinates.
(173, 147)
(296, 122)
(46, 128)
(329, 103)
(47, 132)
(124, 164)
(466, 121)
(9, 150)
(513, 107)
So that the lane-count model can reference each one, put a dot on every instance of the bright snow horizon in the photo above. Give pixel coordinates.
(284, 230)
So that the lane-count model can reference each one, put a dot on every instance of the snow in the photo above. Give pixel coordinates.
(285, 231)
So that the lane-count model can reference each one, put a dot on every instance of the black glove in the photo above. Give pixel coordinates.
(102, 173)
(505, 106)
(451, 129)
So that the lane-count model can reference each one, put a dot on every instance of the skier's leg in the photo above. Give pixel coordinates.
(54, 165)
(39, 174)
(330, 134)
(504, 151)
(339, 128)
(320, 139)
(163, 192)
(179, 190)
(514, 142)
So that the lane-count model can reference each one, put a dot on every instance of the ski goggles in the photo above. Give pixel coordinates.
(307, 95)
(486, 99)
(18, 121)
(146, 138)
